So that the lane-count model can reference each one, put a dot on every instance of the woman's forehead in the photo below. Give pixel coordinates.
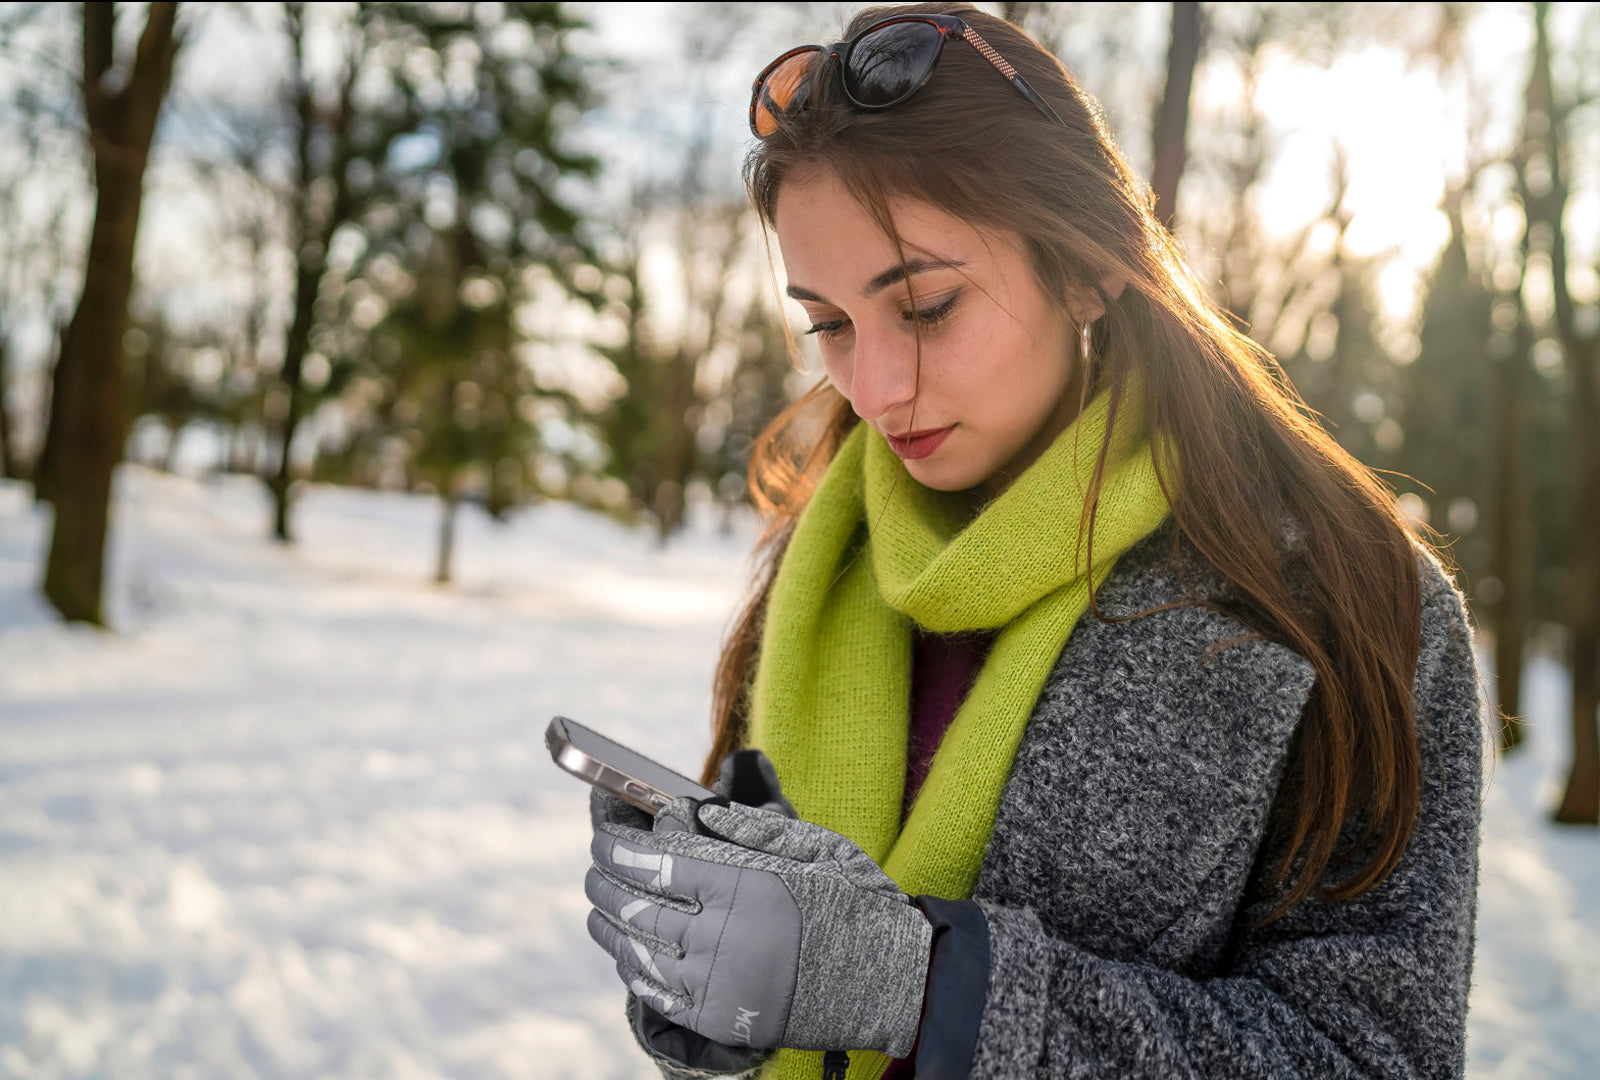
(828, 238)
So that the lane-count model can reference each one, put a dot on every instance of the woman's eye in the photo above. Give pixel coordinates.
(937, 313)
(928, 316)
(827, 331)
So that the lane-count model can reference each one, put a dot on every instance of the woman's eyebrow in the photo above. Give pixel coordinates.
(882, 281)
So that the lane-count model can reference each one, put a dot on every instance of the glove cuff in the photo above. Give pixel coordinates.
(681, 1054)
(905, 983)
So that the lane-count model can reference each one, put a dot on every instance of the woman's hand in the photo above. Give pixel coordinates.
(747, 776)
(756, 930)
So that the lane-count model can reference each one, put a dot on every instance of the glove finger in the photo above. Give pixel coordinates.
(775, 800)
(803, 841)
(780, 806)
(659, 921)
(639, 963)
(678, 816)
(605, 807)
(629, 854)
(863, 871)
(761, 830)
(672, 1007)
(693, 1052)
(736, 954)
(750, 777)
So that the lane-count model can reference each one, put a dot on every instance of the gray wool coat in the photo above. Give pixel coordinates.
(1109, 908)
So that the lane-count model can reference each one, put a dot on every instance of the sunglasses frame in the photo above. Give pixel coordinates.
(950, 27)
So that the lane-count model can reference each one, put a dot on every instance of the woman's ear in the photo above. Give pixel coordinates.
(1088, 303)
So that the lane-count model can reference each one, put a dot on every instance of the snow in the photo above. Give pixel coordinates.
(1535, 1010)
(294, 817)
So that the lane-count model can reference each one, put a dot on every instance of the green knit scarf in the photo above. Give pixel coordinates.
(874, 552)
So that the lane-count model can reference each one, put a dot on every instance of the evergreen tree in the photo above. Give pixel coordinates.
(471, 215)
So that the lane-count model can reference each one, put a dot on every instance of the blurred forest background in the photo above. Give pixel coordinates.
(498, 253)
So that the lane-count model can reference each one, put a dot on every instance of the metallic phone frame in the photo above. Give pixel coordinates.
(630, 789)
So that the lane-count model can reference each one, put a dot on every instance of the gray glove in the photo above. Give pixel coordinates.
(678, 1053)
(766, 932)
(749, 777)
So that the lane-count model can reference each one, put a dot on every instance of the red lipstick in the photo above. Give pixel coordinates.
(918, 444)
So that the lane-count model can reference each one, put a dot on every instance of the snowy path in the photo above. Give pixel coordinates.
(1536, 987)
(295, 817)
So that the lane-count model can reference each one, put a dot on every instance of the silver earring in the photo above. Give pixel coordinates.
(1085, 347)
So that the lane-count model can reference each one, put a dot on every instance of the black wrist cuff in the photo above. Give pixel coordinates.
(958, 987)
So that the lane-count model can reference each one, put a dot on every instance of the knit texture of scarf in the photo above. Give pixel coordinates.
(875, 552)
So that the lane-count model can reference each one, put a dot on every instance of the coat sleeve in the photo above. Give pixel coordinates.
(1370, 987)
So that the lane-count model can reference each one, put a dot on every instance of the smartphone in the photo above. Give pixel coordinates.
(612, 767)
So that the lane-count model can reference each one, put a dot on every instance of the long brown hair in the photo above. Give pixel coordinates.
(1250, 455)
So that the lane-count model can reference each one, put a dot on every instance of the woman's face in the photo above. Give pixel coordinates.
(999, 357)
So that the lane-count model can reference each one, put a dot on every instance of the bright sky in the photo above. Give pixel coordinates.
(1404, 133)
(1406, 137)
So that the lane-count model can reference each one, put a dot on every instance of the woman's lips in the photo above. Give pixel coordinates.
(918, 444)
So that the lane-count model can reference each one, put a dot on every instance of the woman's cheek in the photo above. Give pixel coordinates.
(836, 365)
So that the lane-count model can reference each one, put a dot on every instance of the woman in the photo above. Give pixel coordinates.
(1131, 731)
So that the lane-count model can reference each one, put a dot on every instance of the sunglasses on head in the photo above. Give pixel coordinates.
(879, 67)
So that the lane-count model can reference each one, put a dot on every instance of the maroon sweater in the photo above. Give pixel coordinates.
(943, 669)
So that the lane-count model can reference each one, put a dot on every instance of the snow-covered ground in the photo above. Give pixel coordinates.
(294, 816)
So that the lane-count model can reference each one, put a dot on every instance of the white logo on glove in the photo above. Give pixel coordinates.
(741, 1024)
(640, 860)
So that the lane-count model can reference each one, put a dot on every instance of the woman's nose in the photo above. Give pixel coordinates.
(883, 375)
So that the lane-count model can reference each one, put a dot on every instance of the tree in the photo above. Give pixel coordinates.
(653, 429)
(687, 349)
(250, 207)
(43, 134)
(323, 155)
(1467, 422)
(87, 421)
(1545, 193)
(459, 387)
(757, 391)
(1171, 126)
(475, 222)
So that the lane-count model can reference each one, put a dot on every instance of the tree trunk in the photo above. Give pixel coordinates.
(88, 422)
(310, 261)
(308, 279)
(447, 534)
(1580, 804)
(169, 452)
(1512, 537)
(52, 422)
(1512, 540)
(1170, 131)
(10, 468)
(1581, 357)
(312, 240)
(681, 405)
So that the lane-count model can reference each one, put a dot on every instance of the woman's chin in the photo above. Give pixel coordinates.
(944, 475)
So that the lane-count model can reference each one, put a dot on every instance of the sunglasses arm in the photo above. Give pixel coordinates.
(1012, 75)
(1033, 95)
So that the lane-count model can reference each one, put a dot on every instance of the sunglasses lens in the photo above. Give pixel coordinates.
(785, 89)
(888, 64)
